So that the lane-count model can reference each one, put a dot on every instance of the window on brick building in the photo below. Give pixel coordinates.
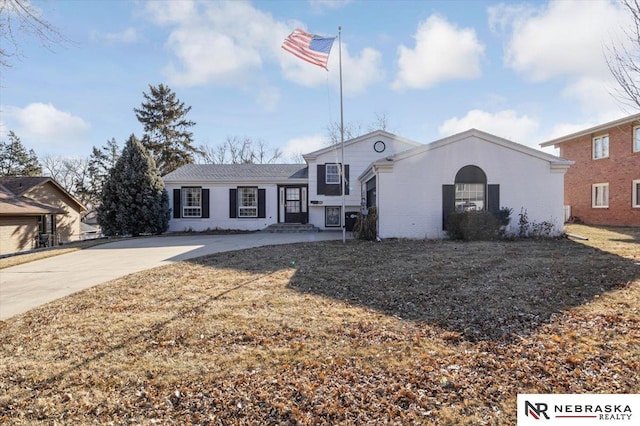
(636, 139)
(636, 193)
(600, 195)
(600, 147)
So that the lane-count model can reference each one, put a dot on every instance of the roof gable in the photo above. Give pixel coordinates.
(366, 137)
(18, 185)
(387, 162)
(16, 205)
(488, 137)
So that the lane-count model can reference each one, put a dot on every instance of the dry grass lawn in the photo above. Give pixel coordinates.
(399, 332)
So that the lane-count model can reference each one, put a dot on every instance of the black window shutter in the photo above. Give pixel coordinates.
(321, 179)
(347, 181)
(177, 208)
(493, 199)
(262, 205)
(205, 203)
(448, 203)
(233, 202)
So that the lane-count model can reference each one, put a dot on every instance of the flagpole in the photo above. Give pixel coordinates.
(342, 191)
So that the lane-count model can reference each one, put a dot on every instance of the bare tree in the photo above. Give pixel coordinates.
(71, 173)
(624, 60)
(353, 130)
(235, 150)
(21, 17)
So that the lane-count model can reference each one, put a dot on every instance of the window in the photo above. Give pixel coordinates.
(332, 174)
(636, 193)
(636, 139)
(247, 202)
(332, 216)
(470, 187)
(601, 147)
(469, 196)
(191, 202)
(600, 195)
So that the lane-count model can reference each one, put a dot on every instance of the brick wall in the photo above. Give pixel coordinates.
(619, 170)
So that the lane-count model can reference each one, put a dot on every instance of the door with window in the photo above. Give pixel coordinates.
(293, 204)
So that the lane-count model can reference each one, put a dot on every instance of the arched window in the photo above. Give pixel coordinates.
(470, 189)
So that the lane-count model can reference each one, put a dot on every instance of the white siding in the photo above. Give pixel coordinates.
(410, 197)
(358, 156)
(219, 209)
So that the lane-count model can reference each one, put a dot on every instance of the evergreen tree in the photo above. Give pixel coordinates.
(100, 163)
(167, 136)
(134, 200)
(15, 160)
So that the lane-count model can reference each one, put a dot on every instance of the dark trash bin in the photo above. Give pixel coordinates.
(350, 220)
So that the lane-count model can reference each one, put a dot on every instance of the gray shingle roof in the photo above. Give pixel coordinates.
(20, 184)
(237, 172)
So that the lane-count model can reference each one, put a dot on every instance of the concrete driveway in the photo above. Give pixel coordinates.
(27, 286)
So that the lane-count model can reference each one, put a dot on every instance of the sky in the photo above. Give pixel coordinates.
(526, 71)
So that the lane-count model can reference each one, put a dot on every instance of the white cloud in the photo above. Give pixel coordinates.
(320, 5)
(127, 36)
(172, 11)
(358, 72)
(216, 42)
(294, 148)
(595, 96)
(45, 129)
(268, 98)
(228, 43)
(562, 38)
(566, 40)
(442, 52)
(205, 56)
(506, 124)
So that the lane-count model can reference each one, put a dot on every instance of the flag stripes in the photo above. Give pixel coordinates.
(308, 47)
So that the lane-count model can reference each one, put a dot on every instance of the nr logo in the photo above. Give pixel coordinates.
(536, 410)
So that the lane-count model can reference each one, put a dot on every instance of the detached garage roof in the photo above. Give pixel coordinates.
(238, 173)
(15, 205)
(16, 186)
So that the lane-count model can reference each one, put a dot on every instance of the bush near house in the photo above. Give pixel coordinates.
(477, 225)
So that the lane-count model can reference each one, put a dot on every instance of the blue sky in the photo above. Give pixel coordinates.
(526, 71)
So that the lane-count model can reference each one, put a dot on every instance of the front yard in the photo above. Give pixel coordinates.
(406, 332)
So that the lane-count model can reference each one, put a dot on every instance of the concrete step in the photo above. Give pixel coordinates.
(290, 228)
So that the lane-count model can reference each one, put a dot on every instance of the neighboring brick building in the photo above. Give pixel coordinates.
(603, 186)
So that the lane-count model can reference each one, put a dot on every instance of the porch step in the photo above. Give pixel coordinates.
(282, 228)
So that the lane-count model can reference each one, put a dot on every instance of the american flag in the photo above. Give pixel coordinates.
(308, 47)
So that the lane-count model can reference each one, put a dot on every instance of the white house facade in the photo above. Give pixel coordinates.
(416, 190)
(414, 186)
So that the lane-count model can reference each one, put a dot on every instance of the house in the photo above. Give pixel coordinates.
(254, 196)
(36, 212)
(603, 187)
(416, 190)
(414, 186)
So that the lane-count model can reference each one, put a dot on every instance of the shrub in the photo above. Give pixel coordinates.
(527, 229)
(365, 227)
(474, 225)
